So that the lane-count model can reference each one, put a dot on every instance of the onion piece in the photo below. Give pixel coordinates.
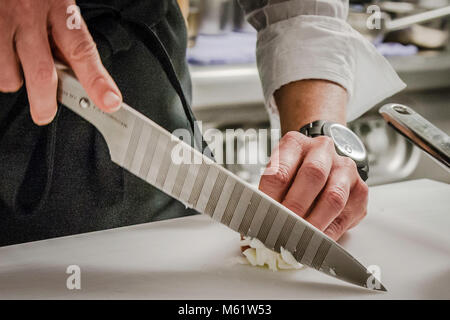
(259, 255)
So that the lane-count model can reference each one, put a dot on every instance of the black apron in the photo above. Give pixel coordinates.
(59, 180)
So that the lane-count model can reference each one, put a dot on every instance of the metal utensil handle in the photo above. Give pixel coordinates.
(405, 22)
(419, 131)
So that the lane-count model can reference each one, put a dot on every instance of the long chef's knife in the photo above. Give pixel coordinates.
(153, 154)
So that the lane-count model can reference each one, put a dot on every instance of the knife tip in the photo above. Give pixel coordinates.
(381, 288)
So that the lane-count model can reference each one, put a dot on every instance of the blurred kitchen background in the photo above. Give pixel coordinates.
(227, 92)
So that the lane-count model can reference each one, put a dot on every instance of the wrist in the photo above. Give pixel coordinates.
(306, 101)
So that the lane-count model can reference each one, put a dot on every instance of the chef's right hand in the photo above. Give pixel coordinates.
(32, 33)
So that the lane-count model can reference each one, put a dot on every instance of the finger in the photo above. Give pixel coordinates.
(10, 75)
(80, 51)
(359, 219)
(39, 70)
(283, 165)
(311, 177)
(359, 198)
(343, 222)
(353, 213)
(333, 198)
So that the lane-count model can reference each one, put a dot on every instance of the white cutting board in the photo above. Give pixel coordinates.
(406, 234)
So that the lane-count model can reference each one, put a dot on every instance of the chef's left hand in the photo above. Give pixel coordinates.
(307, 176)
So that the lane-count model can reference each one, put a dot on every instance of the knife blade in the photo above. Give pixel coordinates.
(147, 150)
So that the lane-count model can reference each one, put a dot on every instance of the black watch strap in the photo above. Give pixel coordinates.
(313, 129)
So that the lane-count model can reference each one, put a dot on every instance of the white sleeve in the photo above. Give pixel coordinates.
(310, 39)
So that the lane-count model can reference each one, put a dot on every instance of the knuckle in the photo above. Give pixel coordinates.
(295, 206)
(295, 138)
(45, 74)
(325, 141)
(336, 227)
(293, 135)
(361, 190)
(336, 198)
(346, 162)
(25, 6)
(364, 213)
(315, 170)
(28, 9)
(280, 177)
(84, 49)
(93, 78)
(358, 214)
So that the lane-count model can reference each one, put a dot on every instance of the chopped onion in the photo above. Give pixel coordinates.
(259, 255)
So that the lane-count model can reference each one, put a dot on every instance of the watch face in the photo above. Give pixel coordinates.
(346, 141)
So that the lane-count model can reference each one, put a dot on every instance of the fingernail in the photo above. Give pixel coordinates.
(112, 101)
(45, 118)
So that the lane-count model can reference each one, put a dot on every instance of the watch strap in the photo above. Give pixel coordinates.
(313, 129)
(363, 172)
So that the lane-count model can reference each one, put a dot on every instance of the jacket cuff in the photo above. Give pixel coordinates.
(319, 47)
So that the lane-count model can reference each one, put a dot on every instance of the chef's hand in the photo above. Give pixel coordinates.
(306, 174)
(32, 33)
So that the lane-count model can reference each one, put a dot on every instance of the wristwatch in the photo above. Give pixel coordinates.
(346, 142)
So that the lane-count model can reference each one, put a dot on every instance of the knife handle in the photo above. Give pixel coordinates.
(115, 127)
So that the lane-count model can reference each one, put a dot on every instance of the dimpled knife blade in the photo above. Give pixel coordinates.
(153, 154)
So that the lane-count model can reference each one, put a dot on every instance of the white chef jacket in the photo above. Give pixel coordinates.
(310, 39)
